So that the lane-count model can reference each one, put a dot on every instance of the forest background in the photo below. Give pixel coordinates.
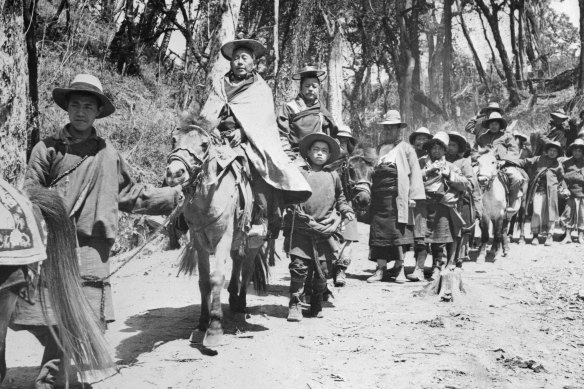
(437, 62)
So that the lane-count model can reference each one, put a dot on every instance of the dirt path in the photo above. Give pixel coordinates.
(520, 325)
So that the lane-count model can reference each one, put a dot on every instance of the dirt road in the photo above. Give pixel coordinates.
(520, 325)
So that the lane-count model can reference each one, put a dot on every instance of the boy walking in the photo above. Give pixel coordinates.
(311, 226)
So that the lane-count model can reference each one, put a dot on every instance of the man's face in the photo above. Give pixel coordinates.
(420, 140)
(437, 151)
(577, 153)
(494, 126)
(319, 153)
(310, 88)
(242, 62)
(552, 152)
(83, 110)
(453, 148)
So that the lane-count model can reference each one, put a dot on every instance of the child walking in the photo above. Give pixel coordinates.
(310, 227)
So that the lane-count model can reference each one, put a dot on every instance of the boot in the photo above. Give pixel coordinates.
(581, 237)
(294, 312)
(568, 238)
(378, 276)
(437, 264)
(549, 239)
(316, 306)
(48, 375)
(535, 240)
(418, 274)
(340, 277)
(396, 269)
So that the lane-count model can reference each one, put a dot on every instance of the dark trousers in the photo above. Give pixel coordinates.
(266, 202)
(303, 271)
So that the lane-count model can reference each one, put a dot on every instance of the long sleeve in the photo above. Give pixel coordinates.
(457, 180)
(283, 121)
(416, 191)
(471, 125)
(39, 166)
(341, 202)
(144, 198)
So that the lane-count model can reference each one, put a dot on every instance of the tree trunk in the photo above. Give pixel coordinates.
(13, 92)
(581, 67)
(168, 21)
(493, 20)
(335, 76)
(435, 57)
(276, 37)
(493, 56)
(406, 66)
(447, 59)
(217, 65)
(475, 56)
(29, 14)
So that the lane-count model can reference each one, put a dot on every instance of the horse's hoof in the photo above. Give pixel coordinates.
(213, 338)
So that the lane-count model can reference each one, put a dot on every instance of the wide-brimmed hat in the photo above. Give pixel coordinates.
(458, 138)
(310, 71)
(392, 117)
(420, 131)
(84, 83)
(309, 140)
(254, 46)
(493, 107)
(559, 114)
(553, 143)
(495, 116)
(345, 132)
(440, 138)
(578, 143)
(517, 134)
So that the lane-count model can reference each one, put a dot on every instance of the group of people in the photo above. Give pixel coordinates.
(424, 194)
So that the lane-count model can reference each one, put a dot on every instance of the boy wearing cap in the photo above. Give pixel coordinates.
(95, 183)
(305, 114)
(506, 150)
(545, 176)
(310, 227)
(573, 216)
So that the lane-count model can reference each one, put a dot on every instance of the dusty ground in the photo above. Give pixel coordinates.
(520, 325)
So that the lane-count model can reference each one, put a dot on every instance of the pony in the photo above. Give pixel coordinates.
(77, 331)
(495, 200)
(217, 208)
(356, 179)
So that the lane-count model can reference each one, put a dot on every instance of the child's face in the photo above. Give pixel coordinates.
(552, 153)
(577, 153)
(437, 151)
(319, 153)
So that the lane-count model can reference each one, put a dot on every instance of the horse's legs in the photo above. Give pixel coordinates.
(235, 285)
(204, 288)
(498, 238)
(506, 237)
(7, 305)
(246, 275)
(484, 239)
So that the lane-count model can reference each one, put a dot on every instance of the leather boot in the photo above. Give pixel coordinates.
(549, 239)
(535, 240)
(378, 276)
(316, 305)
(568, 238)
(437, 264)
(294, 313)
(418, 274)
(396, 269)
(581, 237)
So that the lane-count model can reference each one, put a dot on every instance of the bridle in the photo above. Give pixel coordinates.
(191, 162)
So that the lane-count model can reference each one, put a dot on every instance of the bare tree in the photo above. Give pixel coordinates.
(447, 58)
(581, 72)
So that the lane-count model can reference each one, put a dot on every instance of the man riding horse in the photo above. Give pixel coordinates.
(247, 119)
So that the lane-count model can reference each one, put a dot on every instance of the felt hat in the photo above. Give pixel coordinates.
(495, 116)
(84, 83)
(559, 114)
(392, 117)
(310, 71)
(420, 131)
(254, 46)
(493, 107)
(309, 140)
(578, 143)
(517, 134)
(440, 138)
(458, 138)
(345, 132)
(555, 144)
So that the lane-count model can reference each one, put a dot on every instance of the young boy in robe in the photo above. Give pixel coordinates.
(311, 226)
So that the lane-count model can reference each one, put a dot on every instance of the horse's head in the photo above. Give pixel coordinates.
(189, 148)
(360, 172)
(487, 167)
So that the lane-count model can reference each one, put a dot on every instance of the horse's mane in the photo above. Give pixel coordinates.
(192, 119)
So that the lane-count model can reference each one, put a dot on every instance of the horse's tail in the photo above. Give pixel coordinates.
(188, 261)
(80, 336)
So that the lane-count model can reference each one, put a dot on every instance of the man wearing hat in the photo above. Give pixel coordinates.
(305, 114)
(545, 175)
(95, 183)
(418, 138)
(525, 151)
(558, 131)
(311, 226)
(248, 121)
(573, 217)
(475, 125)
(505, 148)
(470, 205)
(396, 188)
